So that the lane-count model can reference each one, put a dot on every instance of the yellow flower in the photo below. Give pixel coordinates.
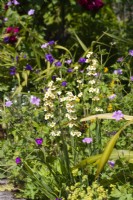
(106, 69)
(110, 107)
(77, 100)
(112, 84)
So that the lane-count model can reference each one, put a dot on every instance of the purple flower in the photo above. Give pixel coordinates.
(5, 19)
(111, 163)
(58, 199)
(12, 71)
(8, 103)
(6, 39)
(34, 100)
(64, 83)
(52, 42)
(120, 59)
(54, 77)
(28, 67)
(87, 140)
(44, 46)
(69, 70)
(117, 115)
(39, 141)
(58, 64)
(111, 97)
(131, 52)
(82, 60)
(69, 61)
(15, 2)
(18, 160)
(31, 12)
(131, 78)
(118, 71)
(49, 58)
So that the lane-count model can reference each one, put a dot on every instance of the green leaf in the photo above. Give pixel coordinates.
(84, 47)
(104, 116)
(109, 148)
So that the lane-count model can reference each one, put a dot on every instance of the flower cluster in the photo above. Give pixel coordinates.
(93, 5)
(11, 35)
(70, 100)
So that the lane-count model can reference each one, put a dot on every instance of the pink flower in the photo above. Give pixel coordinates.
(87, 140)
(8, 103)
(31, 12)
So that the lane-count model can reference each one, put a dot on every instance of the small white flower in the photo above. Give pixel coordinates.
(59, 93)
(79, 81)
(92, 82)
(89, 54)
(58, 79)
(76, 67)
(80, 94)
(52, 124)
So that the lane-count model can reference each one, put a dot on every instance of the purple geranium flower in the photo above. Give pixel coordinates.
(69, 70)
(49, 58)
(28, 67)
(120, 59)
(31, 12)
(131, 52)
(15, 2)
(69, 61)
(64, 83)
(87, 140)
(52, 42)
(111, 97)
(82, 60)
(12, 71)
(18, 160)
(39, 141)
(6, 39)
(131, 78)
(54, 77)
(58, 64)
(8, 103)
(117, 115)
(34, 100)
(118, 71)
(111, 163)
(44, 46)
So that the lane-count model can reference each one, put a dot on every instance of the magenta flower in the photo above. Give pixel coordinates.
(93, 5)
(87, 140)
(31, 12)
(117, 115)
(34, 100)
(8, 103)
(18, 160)
(39, 141)
(131, 52)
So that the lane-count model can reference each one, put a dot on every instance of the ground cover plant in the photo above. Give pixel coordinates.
(66, 99)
